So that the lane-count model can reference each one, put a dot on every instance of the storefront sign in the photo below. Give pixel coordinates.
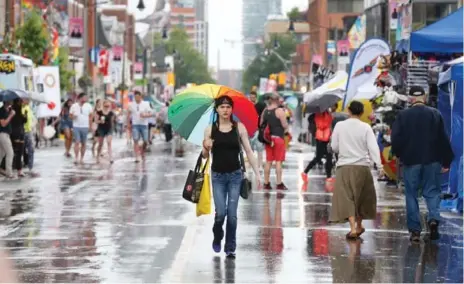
(7, 66)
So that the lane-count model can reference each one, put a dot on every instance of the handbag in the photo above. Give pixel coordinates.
(245, 186)
(194, 182)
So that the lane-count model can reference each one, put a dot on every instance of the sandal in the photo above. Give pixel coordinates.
(351, 237)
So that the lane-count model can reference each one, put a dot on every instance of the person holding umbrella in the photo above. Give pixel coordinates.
(6, 148)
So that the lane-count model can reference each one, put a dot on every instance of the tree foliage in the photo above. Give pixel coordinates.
(33, 37)
(65, 73)
(264, 65)
(294, 14)
(189, 65)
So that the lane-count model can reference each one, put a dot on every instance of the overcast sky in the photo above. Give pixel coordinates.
(225, 23)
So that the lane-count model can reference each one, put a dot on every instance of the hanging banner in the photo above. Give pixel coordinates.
(76, 31)
(393, 12)
(321, 74)
(343, 52)
(117, 53)
(49, 77)
(403, 29)
(262, 85)
(363, 65)
(138, 70)
(357, 33)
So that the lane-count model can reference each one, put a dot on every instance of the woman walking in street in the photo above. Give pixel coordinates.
(106, 120)
(17, 136)
(225, 139)
(66, 126)
(354, 198)
(96, 109)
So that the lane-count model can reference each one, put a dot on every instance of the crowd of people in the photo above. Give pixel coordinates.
(21, 133)
(418, 140)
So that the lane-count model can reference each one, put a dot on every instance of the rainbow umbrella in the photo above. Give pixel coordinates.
(192, 110)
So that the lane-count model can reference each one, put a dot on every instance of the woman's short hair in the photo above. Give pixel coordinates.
(356, 108)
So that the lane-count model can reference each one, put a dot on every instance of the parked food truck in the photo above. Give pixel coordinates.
(17, 72)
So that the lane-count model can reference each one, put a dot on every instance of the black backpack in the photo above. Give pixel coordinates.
(263, 128)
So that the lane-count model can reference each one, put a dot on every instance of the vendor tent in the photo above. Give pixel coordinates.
(450, 104)
(444, 36)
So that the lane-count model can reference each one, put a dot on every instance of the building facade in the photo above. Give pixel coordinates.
(182, 15)
(255, 13)
(329, 21)
(201, 27)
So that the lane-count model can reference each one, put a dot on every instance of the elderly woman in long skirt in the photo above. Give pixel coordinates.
(354, 197)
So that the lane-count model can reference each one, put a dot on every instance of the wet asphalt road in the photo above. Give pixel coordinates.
(128, 223)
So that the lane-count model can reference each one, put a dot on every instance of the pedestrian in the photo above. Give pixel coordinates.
(257, 146)
(106, 120)
(17, 136)
(97, 108)
(167, 127)
(139, 114)
(6, 148)
(28, 136)
(66, 126)
(354, 198)
(275, 118)
(420, 141)
(323, 123)
(224, 139)
(82, 115)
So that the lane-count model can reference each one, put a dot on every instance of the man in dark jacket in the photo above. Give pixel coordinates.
(420, 141)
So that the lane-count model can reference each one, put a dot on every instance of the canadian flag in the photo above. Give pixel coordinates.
(103, 62)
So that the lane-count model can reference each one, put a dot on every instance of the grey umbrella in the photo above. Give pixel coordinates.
(320, 103)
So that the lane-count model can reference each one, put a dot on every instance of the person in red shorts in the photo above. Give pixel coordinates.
(277, 123)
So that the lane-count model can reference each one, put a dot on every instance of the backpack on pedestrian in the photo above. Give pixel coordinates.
(264, 132)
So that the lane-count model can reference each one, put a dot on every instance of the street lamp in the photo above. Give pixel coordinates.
(141, 5)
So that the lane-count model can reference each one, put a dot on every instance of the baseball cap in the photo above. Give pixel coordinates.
(416, 91)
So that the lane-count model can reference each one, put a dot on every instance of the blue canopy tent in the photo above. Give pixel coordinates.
(443, 36)
(450, 104)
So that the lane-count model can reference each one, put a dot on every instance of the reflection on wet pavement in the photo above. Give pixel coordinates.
(128, 223)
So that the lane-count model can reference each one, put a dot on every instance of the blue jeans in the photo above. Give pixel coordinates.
(80, 134)
(29, 145)
(140, 131)
(427, 177)
(226, 192)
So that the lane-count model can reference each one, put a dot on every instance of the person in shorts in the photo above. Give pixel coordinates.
(106, 120)
(276, 120)
(81, 113)
(257, 146)
(139, 112)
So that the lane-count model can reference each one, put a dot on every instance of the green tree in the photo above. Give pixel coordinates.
(33, 37)
(264, 65)
(294, 14)
(189, 65)
(65, 74)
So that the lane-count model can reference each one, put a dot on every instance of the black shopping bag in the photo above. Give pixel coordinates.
(194, 182)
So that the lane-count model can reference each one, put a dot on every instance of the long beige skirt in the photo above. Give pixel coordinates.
(354, 194)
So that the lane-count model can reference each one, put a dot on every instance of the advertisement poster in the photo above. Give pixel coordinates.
(262, 85)
(343, 52)
(117, 53)
(138, 70)
(76, 31)
(357, 33)
(364, 66)
(393, 12)
(403, 29)
(49, 76)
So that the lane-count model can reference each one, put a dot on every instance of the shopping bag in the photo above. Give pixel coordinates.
(194, 182)
(204, 204)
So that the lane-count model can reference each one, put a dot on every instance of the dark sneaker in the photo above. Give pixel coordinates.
(230, 255)
(433, 227)
(281, 187)
(415, 237)
(217, 246)
(267, 186)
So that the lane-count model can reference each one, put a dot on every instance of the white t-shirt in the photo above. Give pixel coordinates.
(355, 143)
(81, 114)
(138, 109)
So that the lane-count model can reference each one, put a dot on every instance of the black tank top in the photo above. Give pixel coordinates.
(275, 125)
(226, 149)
